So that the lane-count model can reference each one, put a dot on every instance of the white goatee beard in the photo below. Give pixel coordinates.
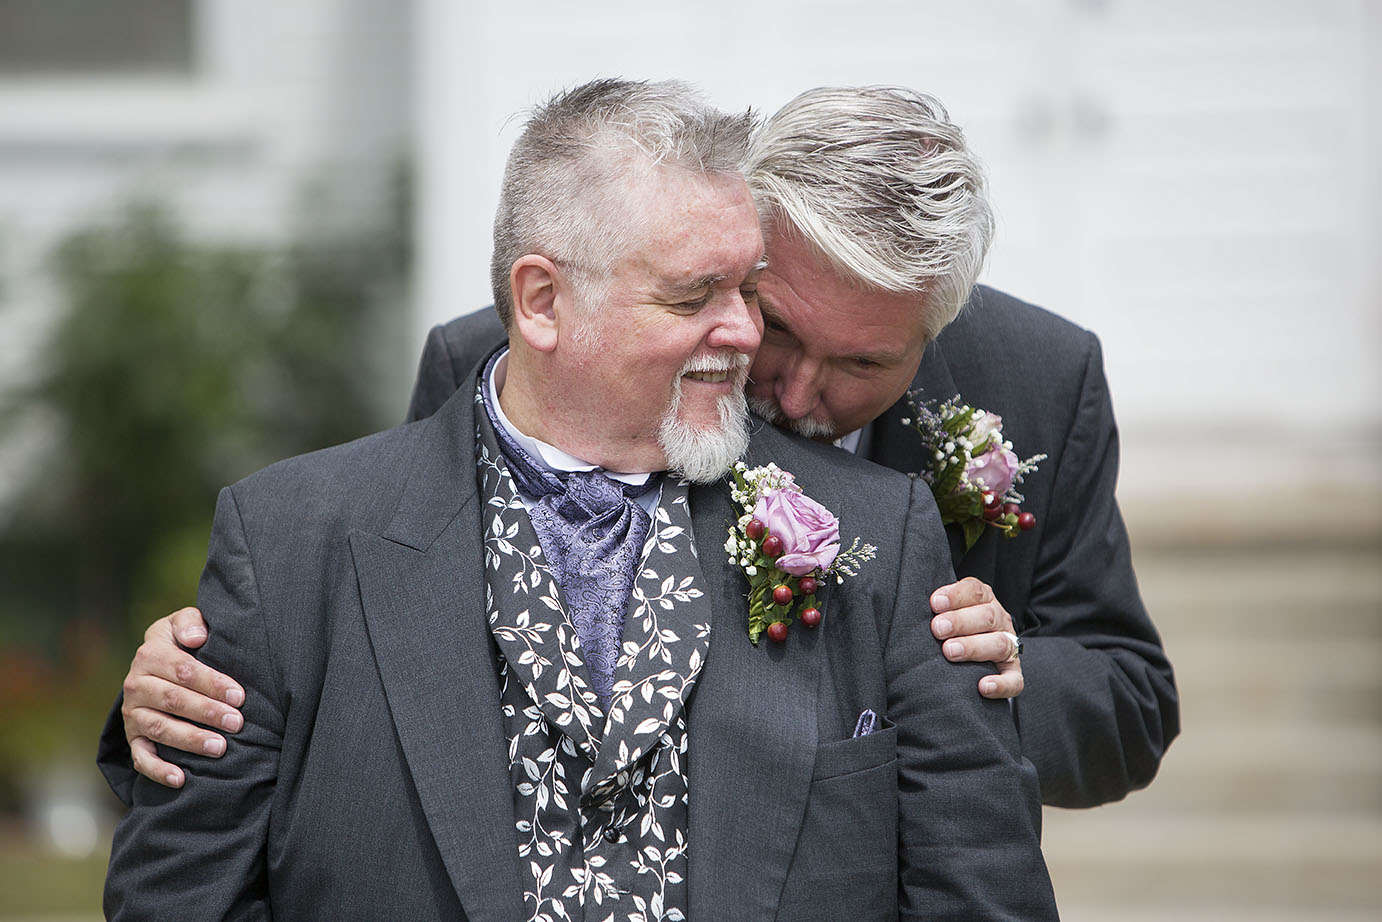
(705, 455)
(806, 426)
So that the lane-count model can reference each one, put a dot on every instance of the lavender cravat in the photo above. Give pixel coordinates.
(591, 531)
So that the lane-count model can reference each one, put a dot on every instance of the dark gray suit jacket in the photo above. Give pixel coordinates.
(1100, 704)
(345, 590)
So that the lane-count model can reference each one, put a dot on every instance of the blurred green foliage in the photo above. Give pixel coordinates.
(178, 365)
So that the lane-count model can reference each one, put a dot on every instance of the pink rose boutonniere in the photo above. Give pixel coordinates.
(973, 471)
(788, 545)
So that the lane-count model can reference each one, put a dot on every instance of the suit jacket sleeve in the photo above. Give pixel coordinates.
(969, 808)
(113, 754)
(1100, 703)
(199, 852)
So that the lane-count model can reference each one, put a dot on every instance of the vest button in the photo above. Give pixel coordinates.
(613, 833)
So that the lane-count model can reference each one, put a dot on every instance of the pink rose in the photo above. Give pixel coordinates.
(993, 470)
(810, 534)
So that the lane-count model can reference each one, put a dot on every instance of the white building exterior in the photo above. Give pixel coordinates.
(1197, 182)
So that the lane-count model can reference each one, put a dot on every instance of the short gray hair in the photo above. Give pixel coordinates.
(879, 181)
(561, 193)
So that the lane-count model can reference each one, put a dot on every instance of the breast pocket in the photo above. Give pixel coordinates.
(856, 754)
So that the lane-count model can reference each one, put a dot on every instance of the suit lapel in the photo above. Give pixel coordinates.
(422, 588)
(752, 738)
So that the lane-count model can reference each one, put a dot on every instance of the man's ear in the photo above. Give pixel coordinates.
(536, 284)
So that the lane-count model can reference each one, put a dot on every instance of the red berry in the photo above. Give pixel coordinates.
(1012, 509)
(754, 529)
(772, 546)
(992, 512)
(782, 595)
(1026, 521)
(809, 585)
(811, 617)
(777, 631)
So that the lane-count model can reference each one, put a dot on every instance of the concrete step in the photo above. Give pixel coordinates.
(1223, 680)
(1232, 911)
(1246, 767)
(1267, 861)
(1312, 516)
(1302, 595)
(1268, 806)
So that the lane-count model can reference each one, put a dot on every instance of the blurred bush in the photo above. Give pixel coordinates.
(177, 365)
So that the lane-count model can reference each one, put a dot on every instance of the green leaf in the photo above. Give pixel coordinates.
(973, 528)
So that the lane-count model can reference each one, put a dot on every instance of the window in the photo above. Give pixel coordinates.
(95, 37)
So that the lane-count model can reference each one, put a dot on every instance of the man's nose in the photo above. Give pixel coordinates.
(798, 387)
(740, 326)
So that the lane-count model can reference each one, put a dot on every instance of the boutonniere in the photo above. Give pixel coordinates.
(788, 545)
(972, 469)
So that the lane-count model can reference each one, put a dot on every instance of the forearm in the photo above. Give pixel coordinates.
(1094, 720)
(970, 831)
(199, 852)
(1100, 703)
(969, 844)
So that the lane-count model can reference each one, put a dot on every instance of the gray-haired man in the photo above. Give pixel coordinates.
(496, 662)
(876, 227)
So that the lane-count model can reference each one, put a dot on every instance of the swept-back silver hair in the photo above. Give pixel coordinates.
(562, 195)
(880, 183)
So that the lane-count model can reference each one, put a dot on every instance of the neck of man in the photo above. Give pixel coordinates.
(562, 420)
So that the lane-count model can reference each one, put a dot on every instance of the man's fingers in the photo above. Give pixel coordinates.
(980, 618)
(189, 628)
(169, 731)
(1007, 684)
(148, 764)
(968, 591)
(169, 699)
(993, 647)
(163, 659)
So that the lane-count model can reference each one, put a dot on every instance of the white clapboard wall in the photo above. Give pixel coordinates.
(1196, 181)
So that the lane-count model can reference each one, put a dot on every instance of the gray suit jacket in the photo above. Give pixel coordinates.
(1100, 705)
(344, 589)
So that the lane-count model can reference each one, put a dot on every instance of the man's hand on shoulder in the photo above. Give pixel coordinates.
(976, 628)
(166, 683)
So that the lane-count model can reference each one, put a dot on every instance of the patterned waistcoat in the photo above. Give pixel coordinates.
(600, 801)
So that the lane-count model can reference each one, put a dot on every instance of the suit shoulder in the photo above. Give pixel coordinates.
(1001, 347)
(354, 482)
(993, 319)
(461, 334)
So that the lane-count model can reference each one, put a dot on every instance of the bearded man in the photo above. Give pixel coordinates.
(496, 664)
(876, 225)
